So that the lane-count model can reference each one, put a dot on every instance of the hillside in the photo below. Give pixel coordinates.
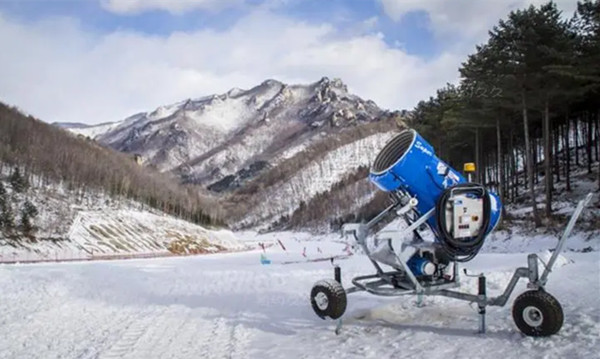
(48, 154)
(53, 222)
(61, 192)
(263, 153)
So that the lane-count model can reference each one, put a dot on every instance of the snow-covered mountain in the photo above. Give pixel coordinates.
(229, 141)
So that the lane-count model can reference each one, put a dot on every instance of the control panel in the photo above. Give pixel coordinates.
(467, 216)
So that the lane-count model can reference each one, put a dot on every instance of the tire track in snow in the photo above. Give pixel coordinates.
(179, 333)
(166, 334)
(117, 320)
(128, 339)
(213, 341)
(224, 341)
(240, 337)
(179, 342)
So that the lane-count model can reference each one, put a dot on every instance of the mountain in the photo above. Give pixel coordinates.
(293, 141)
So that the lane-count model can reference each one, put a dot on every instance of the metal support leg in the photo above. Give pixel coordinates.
(481, 304)
(584, 202)
(420, 300)
(337, 274)
(338, 327)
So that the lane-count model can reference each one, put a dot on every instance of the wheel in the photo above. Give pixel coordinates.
(537, 313)
(328, 299)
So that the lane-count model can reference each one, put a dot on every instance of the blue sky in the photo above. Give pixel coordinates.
(93, 61)
(411, 32)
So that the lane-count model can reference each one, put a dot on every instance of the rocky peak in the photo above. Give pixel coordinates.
(235, 92)
(336, 83)
(271, 83)
(330, 90)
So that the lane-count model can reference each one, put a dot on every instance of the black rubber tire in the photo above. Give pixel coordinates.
(335, 295)
(531, 304)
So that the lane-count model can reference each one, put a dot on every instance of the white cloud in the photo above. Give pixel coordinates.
(172, 6)
(470, 20)
(58, 72)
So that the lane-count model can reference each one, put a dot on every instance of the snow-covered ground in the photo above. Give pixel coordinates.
(232, 306)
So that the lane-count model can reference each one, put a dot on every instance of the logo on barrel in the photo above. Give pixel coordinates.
(423, 149)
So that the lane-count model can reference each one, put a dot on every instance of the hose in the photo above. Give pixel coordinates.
(463, 249)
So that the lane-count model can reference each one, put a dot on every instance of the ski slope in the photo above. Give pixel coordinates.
(231, 306)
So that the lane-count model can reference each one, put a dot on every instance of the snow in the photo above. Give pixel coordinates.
(317, 177)
(231, 306)
(73, 225)
(221, 115)
(94, 131)
(127, 231)
(122, 233)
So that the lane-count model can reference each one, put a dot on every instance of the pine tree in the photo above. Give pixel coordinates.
(3, 201)
(30, 209)
(7, 218)
(18, 182)
(28, 212)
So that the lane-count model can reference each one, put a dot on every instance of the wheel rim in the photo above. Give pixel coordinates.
(321, 301)
(533, 316)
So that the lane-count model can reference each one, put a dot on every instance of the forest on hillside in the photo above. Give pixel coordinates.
(527, 108)
(42, 154)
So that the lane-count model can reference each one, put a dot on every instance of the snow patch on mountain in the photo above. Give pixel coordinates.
(93, 131)
(319, 176)
(126, 231)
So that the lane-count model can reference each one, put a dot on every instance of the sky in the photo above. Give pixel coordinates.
(94, 61)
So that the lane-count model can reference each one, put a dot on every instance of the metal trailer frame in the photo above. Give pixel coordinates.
(404, 282)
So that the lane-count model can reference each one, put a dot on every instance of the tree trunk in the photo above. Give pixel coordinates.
(535, 160)
(547, 159)
(483, 170)
(500, 171)
(565, 147)
(567, 152)
(477, 151)
(525, 174)
(528, 160)
(555, 136)
(576, 141)
(506, 176)
(597, 145)
(596, 142)
(588, 147)
(513, 165)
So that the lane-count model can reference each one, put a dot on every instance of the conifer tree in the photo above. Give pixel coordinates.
(18, 181)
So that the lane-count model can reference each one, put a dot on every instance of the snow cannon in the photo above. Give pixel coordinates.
(465, 212)
(408, 163)
(447, 219)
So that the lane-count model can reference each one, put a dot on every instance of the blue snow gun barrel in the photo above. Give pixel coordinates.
(408, 163)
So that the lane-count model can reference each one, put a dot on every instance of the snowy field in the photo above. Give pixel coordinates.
(231, 306)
